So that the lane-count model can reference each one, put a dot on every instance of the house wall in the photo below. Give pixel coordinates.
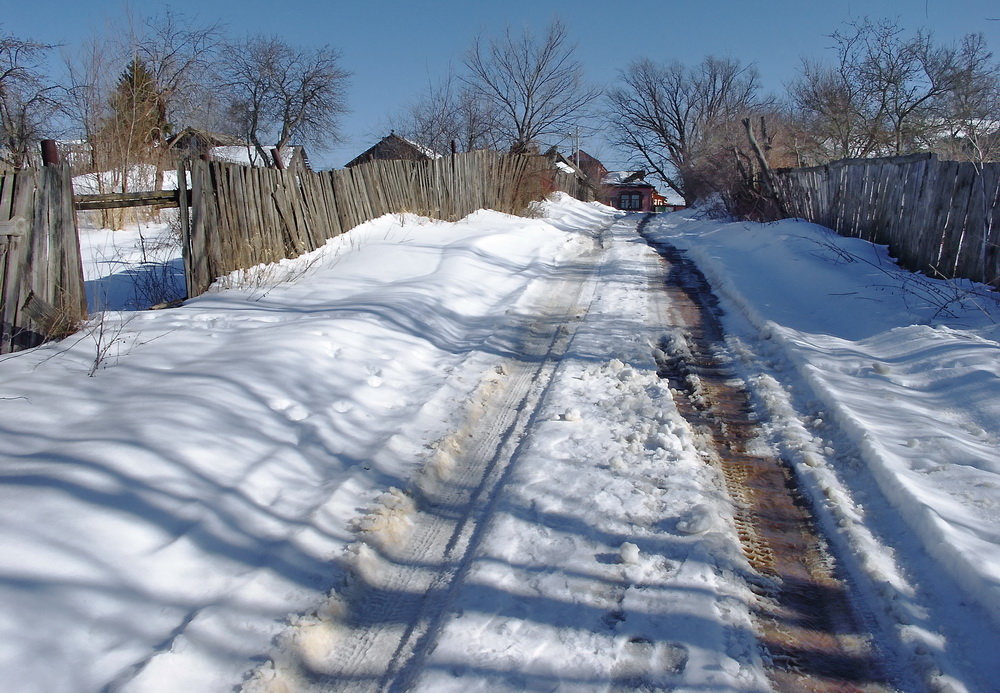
(613, 196)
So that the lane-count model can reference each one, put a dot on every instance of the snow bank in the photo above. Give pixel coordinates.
(908, 367)
(159, 521)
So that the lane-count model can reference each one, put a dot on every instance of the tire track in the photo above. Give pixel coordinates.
(389, 615)
(811, 636)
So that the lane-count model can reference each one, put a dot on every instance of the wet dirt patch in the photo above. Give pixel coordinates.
(811, 637)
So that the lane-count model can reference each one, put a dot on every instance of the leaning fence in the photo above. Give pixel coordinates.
(233, 217)
(241, 216)
(938, 217)
(41, 277)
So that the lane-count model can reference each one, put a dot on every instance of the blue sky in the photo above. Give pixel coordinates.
(394, 48)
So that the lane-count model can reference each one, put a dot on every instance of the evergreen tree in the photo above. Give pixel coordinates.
(138, 120)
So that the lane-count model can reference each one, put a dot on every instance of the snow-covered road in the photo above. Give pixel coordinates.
(574, 538)
(441, 456)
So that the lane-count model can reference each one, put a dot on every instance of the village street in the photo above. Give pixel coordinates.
(579, 452)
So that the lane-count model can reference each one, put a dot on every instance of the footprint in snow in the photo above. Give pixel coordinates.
(293, 411)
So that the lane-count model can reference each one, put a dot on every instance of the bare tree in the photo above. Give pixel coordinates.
(534, 85)
(904, 75)
(280, 92)
(26, 98)
(131, 88)
(885, 93)
(449, 113)
(90, 75)
(681, 122)
(179, 54)
(836, 116)
(969, 110)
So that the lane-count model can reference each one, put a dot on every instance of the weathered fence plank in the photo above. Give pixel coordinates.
(939, 217)
(158, 198)
(243, 216)
(41, 276)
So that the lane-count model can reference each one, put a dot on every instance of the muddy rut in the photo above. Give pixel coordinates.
(812, 638)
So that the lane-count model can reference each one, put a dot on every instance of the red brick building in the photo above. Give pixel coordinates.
(627, 191)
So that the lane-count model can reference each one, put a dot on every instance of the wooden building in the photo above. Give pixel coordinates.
(591, 166)
(394, 147)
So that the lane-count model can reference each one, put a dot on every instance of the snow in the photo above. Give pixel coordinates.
(186, 518)
(134, 268)
(426, 151)
(249, 156)
(619, 177)
(587, 574)
(899, 379)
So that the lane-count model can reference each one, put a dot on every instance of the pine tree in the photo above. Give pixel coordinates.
(138, 119)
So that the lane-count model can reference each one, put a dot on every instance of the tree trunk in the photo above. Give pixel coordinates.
(767, 176)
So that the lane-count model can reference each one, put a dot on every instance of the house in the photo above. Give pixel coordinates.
(565, 175)
(194, 143)
(592, 167)
(394, 147)
(292, 155)
(628, 191)
(669, 202)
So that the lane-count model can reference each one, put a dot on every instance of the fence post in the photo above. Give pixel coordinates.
(197, 265)
(184, 218)
(50, 153)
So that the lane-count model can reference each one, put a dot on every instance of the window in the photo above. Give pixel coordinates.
(630, 201)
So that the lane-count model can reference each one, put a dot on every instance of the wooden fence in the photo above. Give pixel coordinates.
(234, 217)
(41, 276)
(938, 217)
(241, 216)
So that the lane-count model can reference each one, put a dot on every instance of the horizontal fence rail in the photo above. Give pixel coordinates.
(155, 198)
(938, 217)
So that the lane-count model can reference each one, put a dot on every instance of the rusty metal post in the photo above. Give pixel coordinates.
(50, 153)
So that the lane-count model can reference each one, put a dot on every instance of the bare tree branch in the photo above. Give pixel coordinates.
(280, 92)
(27, 103)
(449, 112)
(676, 120)
(535, 85)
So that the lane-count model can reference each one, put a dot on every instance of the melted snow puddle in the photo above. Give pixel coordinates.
(811, 637)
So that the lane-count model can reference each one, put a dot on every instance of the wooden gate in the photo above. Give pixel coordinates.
(41, 276)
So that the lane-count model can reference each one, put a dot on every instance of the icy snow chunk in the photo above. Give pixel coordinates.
(389, 520)
(629, 553)
(571, 415)
(699, 519)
